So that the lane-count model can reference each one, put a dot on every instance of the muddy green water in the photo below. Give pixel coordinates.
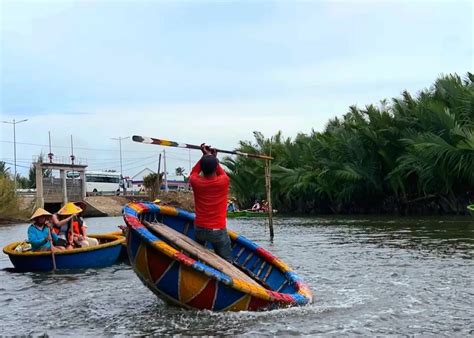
(370, 276)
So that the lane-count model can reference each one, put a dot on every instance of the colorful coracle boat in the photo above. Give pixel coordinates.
(163, 255)
(102, 255)
(470, 207)
(123, 257)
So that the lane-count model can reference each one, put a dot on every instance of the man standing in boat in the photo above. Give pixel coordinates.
(211, 190)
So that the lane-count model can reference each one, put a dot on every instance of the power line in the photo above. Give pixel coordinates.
(18, 165)
(91, 149)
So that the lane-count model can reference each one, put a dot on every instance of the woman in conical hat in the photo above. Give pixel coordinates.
(40, 235)
(78, 236)
(69, 209)
(61, 220)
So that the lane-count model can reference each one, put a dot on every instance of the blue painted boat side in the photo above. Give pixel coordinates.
(100, 256)
(82, 260)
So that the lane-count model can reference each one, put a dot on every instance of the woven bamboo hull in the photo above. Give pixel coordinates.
(179, 279)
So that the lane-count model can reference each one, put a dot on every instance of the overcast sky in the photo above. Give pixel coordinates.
(209, 71)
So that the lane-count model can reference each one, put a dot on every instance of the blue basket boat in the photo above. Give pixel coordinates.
(177, 277)
(102, 255)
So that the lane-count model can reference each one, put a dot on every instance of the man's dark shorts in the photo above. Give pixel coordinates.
(218, 238)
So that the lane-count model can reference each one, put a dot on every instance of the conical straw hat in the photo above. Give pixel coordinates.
(69, 209)
(40, 212)
(81, 205)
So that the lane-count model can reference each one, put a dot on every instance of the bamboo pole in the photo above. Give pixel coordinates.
(268, 188)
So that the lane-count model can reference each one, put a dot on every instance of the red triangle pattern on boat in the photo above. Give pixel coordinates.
(205, 300)
(157, 264)
(257, 304)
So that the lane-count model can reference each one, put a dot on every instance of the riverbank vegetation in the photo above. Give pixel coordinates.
(9, 204)
(409, 155)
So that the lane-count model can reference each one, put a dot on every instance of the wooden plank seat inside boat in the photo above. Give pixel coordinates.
(199, 252)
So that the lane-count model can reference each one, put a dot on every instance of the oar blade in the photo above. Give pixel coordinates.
(161, 142)
(144, 139)
(137, 138)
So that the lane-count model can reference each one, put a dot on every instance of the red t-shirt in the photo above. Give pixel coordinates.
(210, 197)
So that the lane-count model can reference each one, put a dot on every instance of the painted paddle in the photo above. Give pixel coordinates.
(161, 142)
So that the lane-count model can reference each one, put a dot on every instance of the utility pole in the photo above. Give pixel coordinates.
(164, 167)
(14, 144)
(159, 164)
(158, 181)
(121, 171)
(268, 189)
(50, 154)
(189, 156)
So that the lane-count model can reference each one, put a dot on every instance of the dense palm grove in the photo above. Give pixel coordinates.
(414, 154)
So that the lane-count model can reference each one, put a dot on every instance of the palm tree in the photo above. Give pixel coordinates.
(4, 169)
(376, 158)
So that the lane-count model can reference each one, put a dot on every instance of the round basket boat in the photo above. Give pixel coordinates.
(162, 254)
(102, 255)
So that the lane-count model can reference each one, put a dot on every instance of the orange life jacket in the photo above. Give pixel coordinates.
(76, 226)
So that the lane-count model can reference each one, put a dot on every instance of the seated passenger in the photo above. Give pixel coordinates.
(40, 235)
(264, 206)
(231, 206)
(61, 227)
(73, 228)
(81, 230)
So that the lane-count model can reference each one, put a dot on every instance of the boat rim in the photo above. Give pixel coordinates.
(9, 249)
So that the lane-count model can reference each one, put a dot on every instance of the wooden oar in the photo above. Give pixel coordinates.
(52, 251)
(161, 142)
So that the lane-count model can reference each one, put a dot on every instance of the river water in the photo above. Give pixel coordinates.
(370, 276)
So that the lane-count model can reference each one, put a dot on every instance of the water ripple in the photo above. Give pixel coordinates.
(370, 276)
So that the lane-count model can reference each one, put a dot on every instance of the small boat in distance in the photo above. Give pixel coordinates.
(248, 213)
(100, 256)
(164, 255)
(245, 213)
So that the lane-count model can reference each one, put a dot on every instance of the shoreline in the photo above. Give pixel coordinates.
(111, 206)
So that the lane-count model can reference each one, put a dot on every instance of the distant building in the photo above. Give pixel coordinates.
(175, 183)
(137, 179)
(178, 183)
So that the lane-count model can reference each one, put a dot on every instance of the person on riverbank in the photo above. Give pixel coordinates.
(211, 189)
(40, 234)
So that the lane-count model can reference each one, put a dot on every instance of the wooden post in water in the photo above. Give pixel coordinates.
(268, 188)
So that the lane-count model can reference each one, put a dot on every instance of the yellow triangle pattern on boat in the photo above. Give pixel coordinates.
(240, 305)
(141, 263)
(191, 283)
